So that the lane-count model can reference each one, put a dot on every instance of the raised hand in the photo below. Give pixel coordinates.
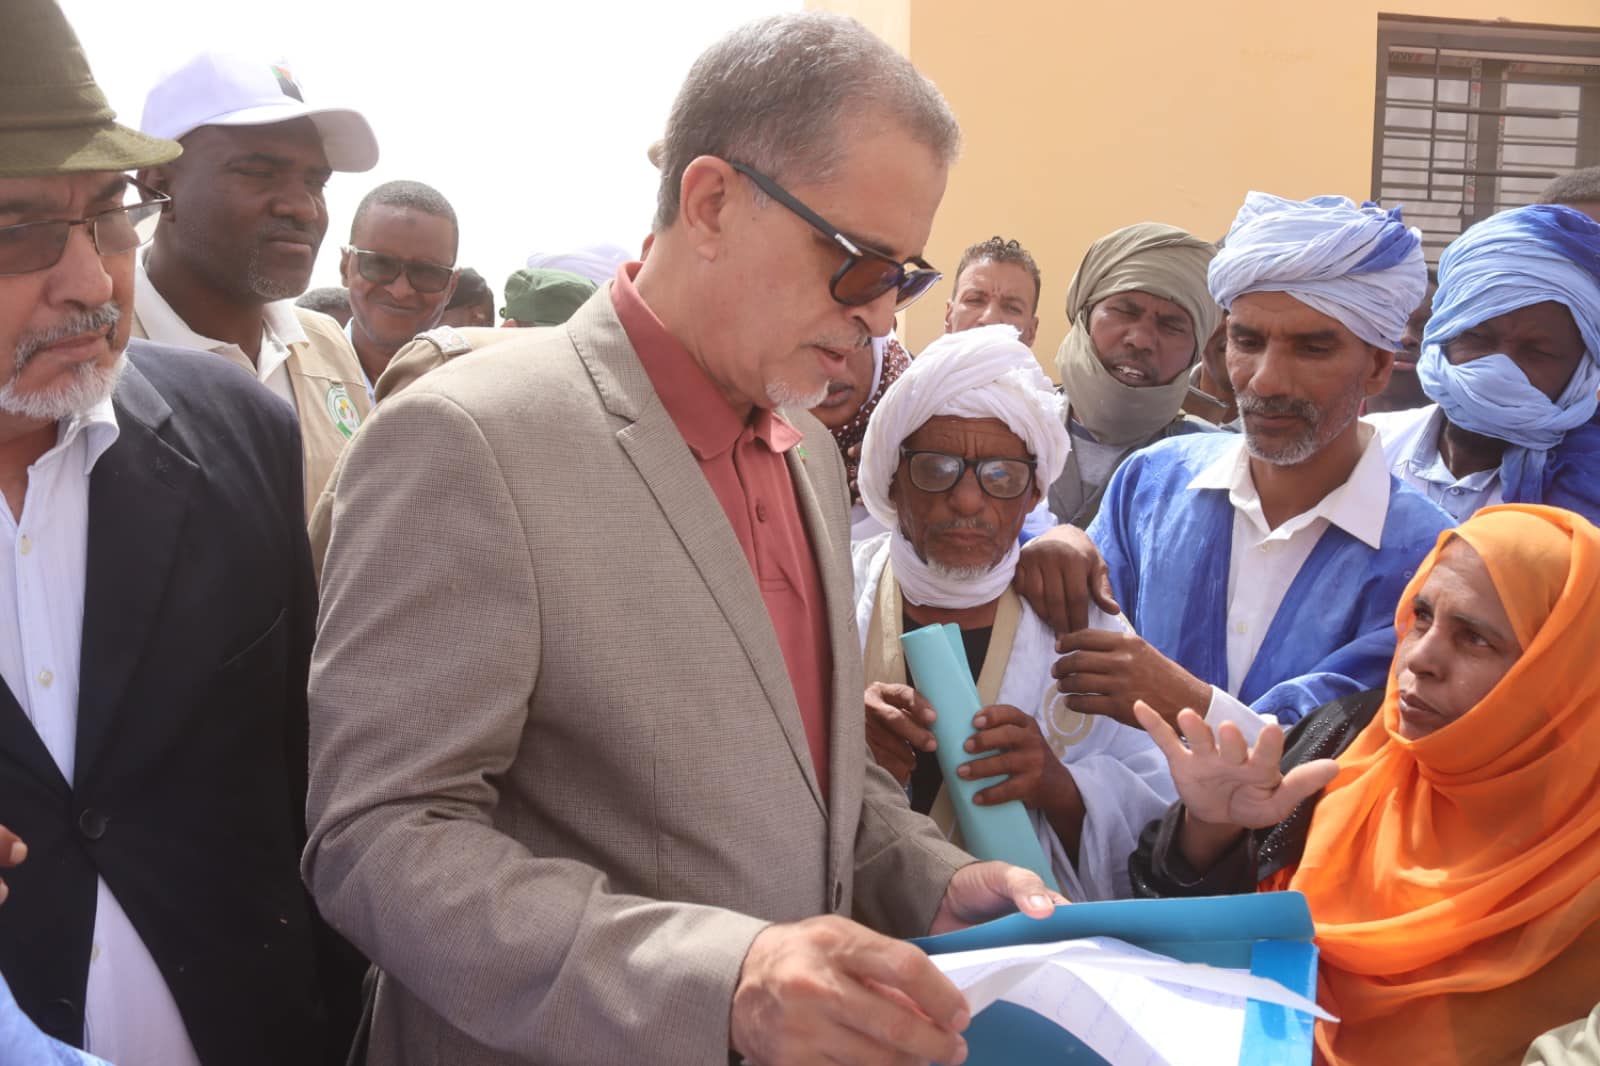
(1222, 780)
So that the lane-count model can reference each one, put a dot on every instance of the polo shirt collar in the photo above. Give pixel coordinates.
(165, 326)
(702, 415)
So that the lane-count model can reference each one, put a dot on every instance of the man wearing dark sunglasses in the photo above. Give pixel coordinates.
(587, 690)
(240, 234)
(158, 606)
(400, 269)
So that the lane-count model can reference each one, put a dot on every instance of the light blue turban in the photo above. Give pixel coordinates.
(1359, 265)
(1511, 260)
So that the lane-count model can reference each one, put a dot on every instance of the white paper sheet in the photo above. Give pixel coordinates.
(1130, 1006)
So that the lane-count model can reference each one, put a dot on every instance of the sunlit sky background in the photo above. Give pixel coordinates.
(531, 118)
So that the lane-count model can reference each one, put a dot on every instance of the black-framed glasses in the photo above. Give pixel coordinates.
(1003, 479)
(380, 268)
(866, 274)
(30, 246)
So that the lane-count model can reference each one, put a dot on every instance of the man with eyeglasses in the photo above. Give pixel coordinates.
(241, 232)
(588, 775)
(400, 269)
(156, 616)
(956, 455)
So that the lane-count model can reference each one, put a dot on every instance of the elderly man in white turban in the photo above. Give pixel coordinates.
(1262, 571)
(1512, 358)
(955, 456)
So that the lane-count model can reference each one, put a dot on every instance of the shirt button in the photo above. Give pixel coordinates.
(94, 953)
(24, 545)
(1240, 628)
(92, 824)
(1455, 491)
(761, 512)
(45, 677)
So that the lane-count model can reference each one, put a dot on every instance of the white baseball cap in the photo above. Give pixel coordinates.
(228, 89)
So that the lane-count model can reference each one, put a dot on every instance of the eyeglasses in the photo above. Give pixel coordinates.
(381, 269)
(31, 246)
(1002, 479)
(866, 274)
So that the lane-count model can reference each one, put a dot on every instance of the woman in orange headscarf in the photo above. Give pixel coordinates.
(1452, 862)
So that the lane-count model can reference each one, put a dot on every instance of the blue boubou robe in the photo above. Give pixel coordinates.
(1169, 548)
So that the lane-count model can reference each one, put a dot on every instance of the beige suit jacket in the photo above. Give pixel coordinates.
(558, 776)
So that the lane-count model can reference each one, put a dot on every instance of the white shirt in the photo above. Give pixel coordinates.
(372, 388)
(129, 1013)
(1263, 561)
(280, 328)
(1411, 447)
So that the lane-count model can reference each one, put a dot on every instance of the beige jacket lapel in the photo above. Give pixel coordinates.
(670, 472)
(828, 529)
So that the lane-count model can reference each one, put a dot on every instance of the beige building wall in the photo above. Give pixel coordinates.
(1080, 116)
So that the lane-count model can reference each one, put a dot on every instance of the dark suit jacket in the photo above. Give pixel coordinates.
(191, 744)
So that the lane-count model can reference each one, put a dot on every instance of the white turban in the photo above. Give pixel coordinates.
(1359, 265)
(985, 372)
(597, 262)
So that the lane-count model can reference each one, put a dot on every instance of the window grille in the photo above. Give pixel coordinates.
(1474, 118)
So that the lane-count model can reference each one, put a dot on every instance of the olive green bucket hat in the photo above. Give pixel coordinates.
(53, 117)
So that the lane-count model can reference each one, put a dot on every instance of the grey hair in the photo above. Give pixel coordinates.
(774, 93)
(1579, 187)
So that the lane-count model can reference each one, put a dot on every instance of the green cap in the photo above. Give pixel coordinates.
(53, 117)
(545, 297)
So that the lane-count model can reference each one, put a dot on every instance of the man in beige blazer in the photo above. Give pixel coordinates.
(570, 790)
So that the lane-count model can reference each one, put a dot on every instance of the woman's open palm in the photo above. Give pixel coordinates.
(1221, 779)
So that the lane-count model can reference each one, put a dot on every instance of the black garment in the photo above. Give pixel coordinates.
(190, 780)
(1158, 867)
(926, 777)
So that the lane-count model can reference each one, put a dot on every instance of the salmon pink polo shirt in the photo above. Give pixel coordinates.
(743, 461)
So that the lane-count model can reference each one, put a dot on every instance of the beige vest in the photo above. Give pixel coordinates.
(329, 391)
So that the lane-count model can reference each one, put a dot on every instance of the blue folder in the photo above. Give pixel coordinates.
(1269, 933)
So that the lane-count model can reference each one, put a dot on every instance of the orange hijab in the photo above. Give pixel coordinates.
(1454, 878)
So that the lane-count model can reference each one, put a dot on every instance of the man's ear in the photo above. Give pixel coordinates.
(345, 262)
(449, 290)
(160, 179)
(949, 309)
(1031, 332)
(1377, 378)
(704, 196)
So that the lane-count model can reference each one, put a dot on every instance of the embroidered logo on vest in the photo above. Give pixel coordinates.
(342, 411)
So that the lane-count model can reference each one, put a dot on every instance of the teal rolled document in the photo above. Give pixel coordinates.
(939, 670)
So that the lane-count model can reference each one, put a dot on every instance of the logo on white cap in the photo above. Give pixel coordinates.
(286, 82)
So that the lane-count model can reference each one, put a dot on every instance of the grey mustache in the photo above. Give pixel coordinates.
(99, 320)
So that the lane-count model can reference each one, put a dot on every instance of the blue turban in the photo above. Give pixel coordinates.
(1359, 265)
(1512, 260)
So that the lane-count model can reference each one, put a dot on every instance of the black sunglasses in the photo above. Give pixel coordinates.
(1003, 479)
(381, 268)
(866, 274)
(30, 246)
